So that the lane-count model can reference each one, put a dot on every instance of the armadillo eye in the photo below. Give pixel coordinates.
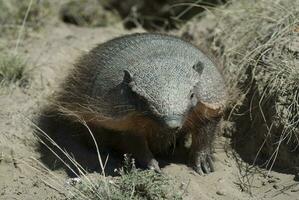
(193, 99)
(198, 67)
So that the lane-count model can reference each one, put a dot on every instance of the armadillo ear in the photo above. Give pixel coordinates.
(198, 67)
(127, 77)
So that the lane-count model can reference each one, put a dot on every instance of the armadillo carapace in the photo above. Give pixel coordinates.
(140, 92)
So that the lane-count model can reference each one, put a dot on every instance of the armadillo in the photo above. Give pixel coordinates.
(141, 92)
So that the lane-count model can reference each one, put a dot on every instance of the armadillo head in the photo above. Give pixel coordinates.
(169, 92)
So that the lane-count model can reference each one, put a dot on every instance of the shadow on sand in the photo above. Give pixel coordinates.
(75, 140)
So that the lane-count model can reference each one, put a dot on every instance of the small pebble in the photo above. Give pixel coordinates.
(220, 180)
(73, 181)
(263, 183)
(275, 186)
(1, 157)
(220, 192)
(272, 181)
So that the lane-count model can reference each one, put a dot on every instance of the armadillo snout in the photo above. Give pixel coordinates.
(174, 123)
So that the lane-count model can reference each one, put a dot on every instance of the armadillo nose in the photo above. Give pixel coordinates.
(174, 123)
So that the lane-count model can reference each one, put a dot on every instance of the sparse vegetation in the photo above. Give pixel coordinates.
(13, 12)
(13, 69)
(132, 184)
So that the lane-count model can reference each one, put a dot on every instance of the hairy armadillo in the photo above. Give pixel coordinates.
(141, 91)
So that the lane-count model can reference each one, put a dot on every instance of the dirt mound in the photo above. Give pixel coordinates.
(259, 45)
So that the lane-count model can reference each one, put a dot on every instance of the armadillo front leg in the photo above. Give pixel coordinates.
(137, 145)
(201, 148)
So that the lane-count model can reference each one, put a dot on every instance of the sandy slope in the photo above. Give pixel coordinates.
(51, 53)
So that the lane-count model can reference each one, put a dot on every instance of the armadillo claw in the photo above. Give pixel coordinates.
(203, 163)
(154, 165)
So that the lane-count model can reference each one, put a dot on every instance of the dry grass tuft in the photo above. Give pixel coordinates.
(132, 184)
(13, 70)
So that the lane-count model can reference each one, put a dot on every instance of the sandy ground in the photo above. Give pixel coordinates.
(52, 52)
